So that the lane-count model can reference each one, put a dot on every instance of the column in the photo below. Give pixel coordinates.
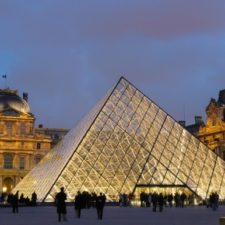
(1, 184)
(1, 161)
(16, 161)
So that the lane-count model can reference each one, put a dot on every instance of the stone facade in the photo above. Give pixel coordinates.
(21, 147)
(213, 132)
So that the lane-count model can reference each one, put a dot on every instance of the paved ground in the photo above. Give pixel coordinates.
(194, 215)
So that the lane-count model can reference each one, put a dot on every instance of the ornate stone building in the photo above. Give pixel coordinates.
(213, 132)
(21, 147)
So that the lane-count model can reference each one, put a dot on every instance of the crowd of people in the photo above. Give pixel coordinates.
(160, 200)
(126, 199)
(178, 200)
(81, 201)
(213, 201)
(15, 200)
(86, 200)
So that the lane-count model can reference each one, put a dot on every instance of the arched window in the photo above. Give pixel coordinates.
(8, 161)
(7, 184)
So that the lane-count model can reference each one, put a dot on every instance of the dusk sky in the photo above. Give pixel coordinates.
(67, 53)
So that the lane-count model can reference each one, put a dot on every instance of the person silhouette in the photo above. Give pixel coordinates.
(78, 203)
(100, 203)
(34, 199)
(60, 200)
(14, 202)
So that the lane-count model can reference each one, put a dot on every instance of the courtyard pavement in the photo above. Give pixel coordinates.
(191, 215)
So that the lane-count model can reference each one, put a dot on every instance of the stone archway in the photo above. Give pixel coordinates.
(7, 185)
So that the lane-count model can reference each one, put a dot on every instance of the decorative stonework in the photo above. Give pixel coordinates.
(17, 139)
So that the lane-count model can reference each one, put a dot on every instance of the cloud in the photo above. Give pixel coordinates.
(62, 24)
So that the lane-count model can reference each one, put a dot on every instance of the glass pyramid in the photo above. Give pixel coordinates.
(124, 142)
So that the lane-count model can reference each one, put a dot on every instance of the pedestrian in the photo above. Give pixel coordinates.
(14, 202)
(78, 204)
(100, 203)
(183, 198)
(214, 199)
(22, 199)
(60, 200)
(34, 199)
(160, 202)
(154, 201)
(170, 199)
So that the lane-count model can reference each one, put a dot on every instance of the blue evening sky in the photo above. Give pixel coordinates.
(67, 53)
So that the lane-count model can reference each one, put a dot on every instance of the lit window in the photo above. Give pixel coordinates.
(22, 163)
(8, 161)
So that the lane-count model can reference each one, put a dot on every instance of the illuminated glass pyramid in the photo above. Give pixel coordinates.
(126, 141)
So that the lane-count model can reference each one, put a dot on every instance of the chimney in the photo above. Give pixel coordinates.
(182, 123)
(25, 96)
(198, 120)
(40, 126)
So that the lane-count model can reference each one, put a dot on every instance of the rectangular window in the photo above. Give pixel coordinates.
(22, 163)
(9, 128)
(38, 145)
(8, 161)
(23, 128)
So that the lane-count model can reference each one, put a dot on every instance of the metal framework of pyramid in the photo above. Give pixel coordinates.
(126, 141)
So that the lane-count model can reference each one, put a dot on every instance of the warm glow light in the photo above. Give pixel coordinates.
(4, 189)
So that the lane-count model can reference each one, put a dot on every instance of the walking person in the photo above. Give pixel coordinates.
(14, 202)
(160, 202)
(78, 204)
(183, 198)
(60, 200)
(170, 199)
(154, 201)
(100, 203)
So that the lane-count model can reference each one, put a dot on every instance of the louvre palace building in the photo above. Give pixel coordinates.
(213, 132)
(21, 145)
(126, 144)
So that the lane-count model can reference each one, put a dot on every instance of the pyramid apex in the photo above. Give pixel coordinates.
(123, 78)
